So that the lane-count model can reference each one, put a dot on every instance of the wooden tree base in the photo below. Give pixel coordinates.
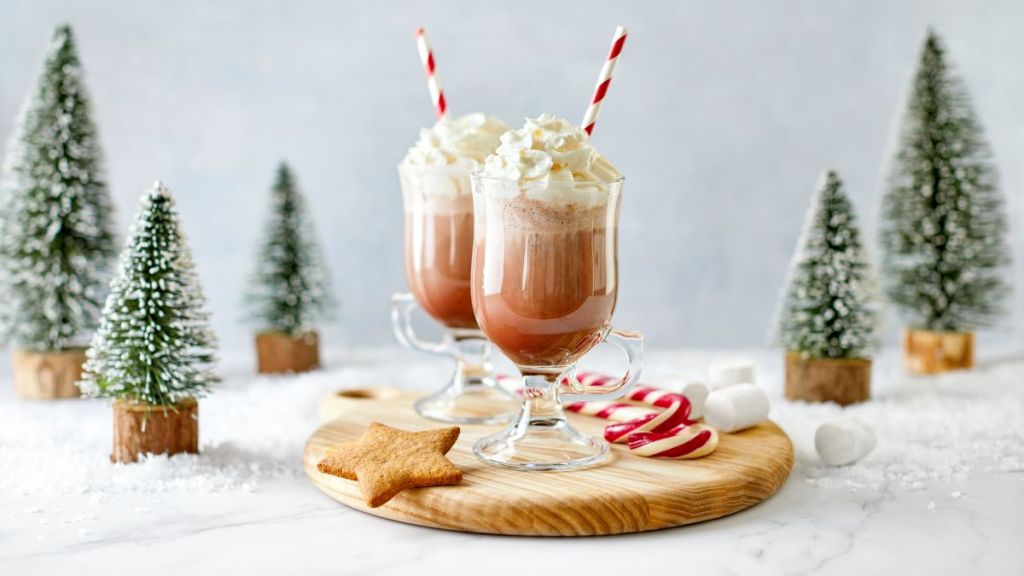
(935, 352)
(280, 353)
(840, 380)
(146, 429)
(47, 375)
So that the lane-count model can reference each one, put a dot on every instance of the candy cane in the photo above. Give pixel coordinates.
(682, 442)
(666, 434)
(646, 394)
(615, 411)
(671, 417)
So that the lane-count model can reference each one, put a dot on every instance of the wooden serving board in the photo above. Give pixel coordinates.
(626, 493)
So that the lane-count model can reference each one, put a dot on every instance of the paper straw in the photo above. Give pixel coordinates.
(427, 57)
(604, 80)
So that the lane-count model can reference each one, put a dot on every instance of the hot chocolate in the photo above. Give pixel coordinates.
(546, 289)
(439, 213)
(438, 201)
(544, 283)
(545, 280)
(438, 255)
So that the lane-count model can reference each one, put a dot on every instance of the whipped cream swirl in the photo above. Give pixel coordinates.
(466, 140)
(548, 149)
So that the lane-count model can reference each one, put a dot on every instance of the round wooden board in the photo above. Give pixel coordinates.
(626, 493)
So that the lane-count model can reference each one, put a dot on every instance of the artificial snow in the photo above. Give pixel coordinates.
(253, 429)
(937, 429)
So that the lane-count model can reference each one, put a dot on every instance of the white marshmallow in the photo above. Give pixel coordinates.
(844, 441)
(730, 373)
(695, 391)
(736, 407)
(697, 394)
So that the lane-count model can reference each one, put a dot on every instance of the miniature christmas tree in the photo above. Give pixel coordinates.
(829, 309)
(289, 291)
(56, 241)
(943, 227)
(828, 317)
(153, 346)
(944, 224)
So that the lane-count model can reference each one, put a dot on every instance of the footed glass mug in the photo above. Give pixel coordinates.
(545, 281)
(438, 256)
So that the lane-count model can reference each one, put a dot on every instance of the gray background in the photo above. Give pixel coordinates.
(721, 115)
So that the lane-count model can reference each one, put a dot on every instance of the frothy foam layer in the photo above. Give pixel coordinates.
(532, 214)
(581, 195)
(465, 140)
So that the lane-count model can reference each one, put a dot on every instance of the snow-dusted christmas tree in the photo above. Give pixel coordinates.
(56, 239)
(829, 309)
(828, 319)
(289, 291)
(943, 222)
(153, 345)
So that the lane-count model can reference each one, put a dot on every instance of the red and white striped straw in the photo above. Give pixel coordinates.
(427, 57)
(604, 80)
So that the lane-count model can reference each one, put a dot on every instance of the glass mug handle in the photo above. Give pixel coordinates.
(632, 345)
(402, 306)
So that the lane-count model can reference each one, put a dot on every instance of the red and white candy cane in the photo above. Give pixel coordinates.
(604, 79)
(620, 411)
(673, 416)
(427, 57)
(687, 441)
(609, 410)
(666, 434)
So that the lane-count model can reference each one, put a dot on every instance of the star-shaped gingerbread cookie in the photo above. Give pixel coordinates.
(386, 461)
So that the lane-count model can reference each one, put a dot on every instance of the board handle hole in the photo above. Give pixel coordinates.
(366, 393)
(357, 394)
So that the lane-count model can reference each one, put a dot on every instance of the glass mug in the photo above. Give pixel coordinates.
(438, 257)
(545, 282)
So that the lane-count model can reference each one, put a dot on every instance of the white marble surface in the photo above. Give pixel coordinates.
(281, 524)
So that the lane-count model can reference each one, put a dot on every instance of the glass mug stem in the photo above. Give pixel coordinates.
(472, 395)
(542, 437)
(472, 353)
